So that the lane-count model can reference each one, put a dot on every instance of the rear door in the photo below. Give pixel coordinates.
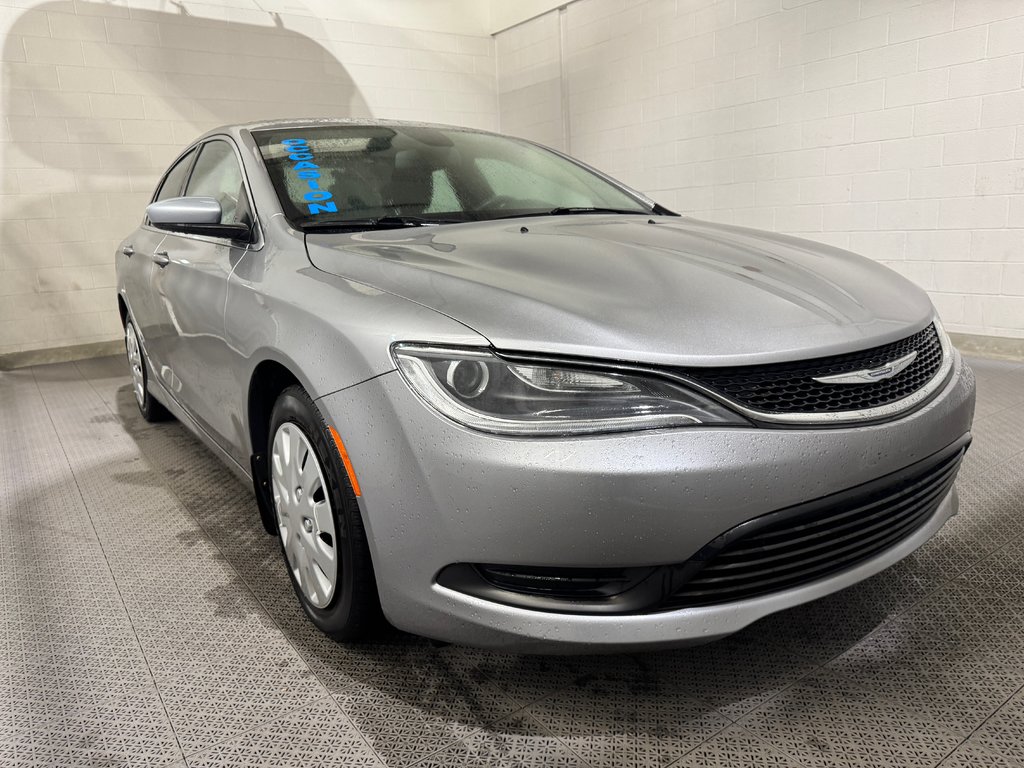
(191, 283)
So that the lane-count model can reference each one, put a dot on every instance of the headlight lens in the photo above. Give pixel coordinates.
(479, 390)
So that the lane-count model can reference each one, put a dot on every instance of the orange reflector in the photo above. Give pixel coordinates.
(346, 461)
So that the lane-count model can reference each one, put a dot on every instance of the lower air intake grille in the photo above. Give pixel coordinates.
(777, 551)
(780, 551)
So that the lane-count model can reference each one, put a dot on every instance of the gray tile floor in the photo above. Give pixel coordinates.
(146, 620)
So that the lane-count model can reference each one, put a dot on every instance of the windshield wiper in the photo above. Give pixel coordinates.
(380, 222)
(573, 210)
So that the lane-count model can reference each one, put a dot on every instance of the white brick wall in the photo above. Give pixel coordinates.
(98, 97)
(894, 128)
(530, 80)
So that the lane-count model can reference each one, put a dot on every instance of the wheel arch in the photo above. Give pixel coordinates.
(268, 380)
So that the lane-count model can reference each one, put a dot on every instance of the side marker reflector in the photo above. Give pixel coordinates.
(346, 461)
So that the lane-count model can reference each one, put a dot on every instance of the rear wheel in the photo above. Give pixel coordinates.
(319, 522)
(150, 409)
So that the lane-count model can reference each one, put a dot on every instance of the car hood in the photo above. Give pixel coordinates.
(661, 290)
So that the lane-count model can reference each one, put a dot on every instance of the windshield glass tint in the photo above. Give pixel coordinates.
(344, 173)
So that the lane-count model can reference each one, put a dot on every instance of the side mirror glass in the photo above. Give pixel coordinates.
(194, 216)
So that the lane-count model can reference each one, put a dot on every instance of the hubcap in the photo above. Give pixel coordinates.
(304, 516)
(135, 361)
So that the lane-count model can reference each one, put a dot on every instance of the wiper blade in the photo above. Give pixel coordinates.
(570, 210)
(573, 210)
(380, 222)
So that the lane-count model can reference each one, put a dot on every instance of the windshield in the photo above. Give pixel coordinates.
(357, 174)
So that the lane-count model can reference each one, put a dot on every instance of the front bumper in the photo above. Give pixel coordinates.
(435, 494)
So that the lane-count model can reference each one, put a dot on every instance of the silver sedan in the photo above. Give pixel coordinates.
(494, 396)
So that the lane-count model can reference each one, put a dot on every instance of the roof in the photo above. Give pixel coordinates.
(306, 122)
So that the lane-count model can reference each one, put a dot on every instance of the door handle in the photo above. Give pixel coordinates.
(161, 258)
(128, 251)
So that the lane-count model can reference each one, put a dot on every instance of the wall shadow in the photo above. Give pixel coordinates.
(121, 92)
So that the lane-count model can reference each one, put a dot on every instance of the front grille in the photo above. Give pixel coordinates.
(784, 549)
(790, 388)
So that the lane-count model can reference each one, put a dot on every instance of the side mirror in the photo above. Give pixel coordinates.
(194, 216)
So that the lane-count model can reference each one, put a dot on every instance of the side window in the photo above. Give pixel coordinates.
(175, 177)
(217, 175)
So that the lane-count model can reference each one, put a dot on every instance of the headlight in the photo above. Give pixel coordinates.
(479, 390)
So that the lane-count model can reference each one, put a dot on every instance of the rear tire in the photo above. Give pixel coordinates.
(319, 524)
(151, 409)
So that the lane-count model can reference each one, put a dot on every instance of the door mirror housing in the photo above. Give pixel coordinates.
(194, 216)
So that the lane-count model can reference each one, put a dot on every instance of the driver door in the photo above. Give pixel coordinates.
(147, 313)
(190, 285)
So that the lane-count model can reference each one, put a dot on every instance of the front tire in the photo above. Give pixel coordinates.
(321, 531)
(151, 410)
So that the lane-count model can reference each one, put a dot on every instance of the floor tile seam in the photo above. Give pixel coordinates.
(982, 724)
(959, 576)
(1003, 465)
(474, 732)
(960, 740)
(526, 710)
(713, 707)
(223, 555)
(818, 667)
(874, 693)
(715, 735)
(767, 744)
(521, 704)
(864, 688)
(113, 579)
(543, 729)
(1010, 395)
(189, 756)
(69, 485)
(1016, 455)
(95, 761)
(1012, 762)
(993, 375)
(1000, 411)
(945, 757)
(263, 606)
(362, 736)
(1000, 466)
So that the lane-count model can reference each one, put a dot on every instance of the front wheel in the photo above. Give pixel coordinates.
(321, 531)
(150, 409)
